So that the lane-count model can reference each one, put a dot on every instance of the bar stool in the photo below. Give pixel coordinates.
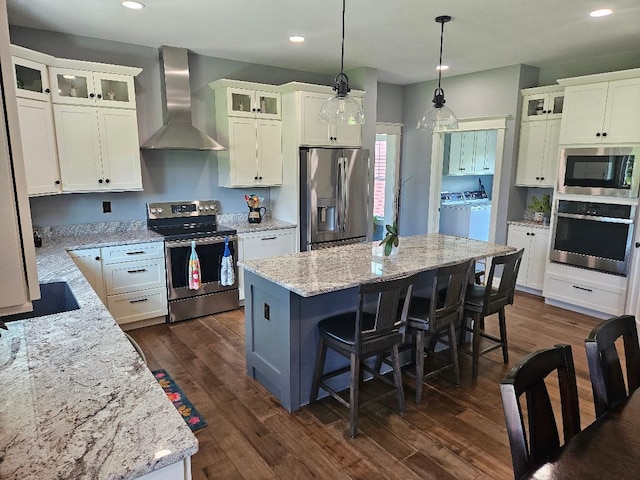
(359, 335)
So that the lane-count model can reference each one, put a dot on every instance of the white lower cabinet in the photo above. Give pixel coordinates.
(263, 244)
(129, 279)
(89, 261)
(535, 241)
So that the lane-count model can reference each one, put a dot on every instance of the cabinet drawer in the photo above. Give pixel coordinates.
(127, 253)
(131, 276)
(267, 244)
(132, 307)
(584, 294)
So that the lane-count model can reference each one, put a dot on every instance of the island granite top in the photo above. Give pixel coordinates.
(327, 270)
(77, 401)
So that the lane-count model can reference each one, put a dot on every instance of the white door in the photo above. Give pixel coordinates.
(531, 153)
(313, 132)
(269, 151)
(243, 151)
(120, 149)
(78, 148)
(583, 116)
(622, 121)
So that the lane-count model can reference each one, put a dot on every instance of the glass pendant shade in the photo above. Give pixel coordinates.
(438, 118)
(341, 108)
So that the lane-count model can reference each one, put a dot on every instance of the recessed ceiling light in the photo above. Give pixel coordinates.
(133, 5)
(442, 67)
(603, 12)
(296, 39)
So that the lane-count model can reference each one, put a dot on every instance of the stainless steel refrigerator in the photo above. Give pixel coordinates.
(334, 195)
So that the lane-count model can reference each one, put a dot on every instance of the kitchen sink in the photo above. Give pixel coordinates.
(55, 297)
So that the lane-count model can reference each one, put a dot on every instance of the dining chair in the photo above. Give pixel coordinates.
(605, 370)
(484, 300)
(528, 378)
(434, 320)
(360, 335)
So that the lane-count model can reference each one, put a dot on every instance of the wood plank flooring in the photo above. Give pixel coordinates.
(455, 433)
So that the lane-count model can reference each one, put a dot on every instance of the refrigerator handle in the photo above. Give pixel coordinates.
(339, 187)
(345, 195)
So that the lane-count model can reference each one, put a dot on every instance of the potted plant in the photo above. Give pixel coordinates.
(541, 207)
(391, 239)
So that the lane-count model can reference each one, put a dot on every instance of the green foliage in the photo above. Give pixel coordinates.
(543, 205)
(391, 239)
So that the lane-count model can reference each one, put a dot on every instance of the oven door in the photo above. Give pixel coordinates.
(598, 243)
(210, 251)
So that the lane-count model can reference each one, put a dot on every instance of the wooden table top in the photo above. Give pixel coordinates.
(608, 448)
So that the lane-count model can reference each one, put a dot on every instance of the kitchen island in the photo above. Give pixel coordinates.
(76, 400)
(286, 297)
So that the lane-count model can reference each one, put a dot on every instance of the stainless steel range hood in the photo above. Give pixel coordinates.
(178, 132)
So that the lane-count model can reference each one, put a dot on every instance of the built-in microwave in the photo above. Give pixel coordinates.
(605, 171)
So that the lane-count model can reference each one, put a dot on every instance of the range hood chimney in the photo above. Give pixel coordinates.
(178, 132)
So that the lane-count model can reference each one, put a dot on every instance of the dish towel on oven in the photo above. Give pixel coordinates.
(227, 275)
(195, 281)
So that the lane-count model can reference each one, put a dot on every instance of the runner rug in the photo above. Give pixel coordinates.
(179, 400)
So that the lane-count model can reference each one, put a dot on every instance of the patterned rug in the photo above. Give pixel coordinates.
(179, 400)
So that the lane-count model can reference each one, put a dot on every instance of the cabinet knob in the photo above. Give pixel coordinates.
(637, 244)
(462, 168)
(57, 182)
(537, 178)
(47, 90)
(528, 234)
(541, 178)
(533, 234)
(598, 134)
(107, 180)
(259, 178)
(255, 178)
(92, 95)
(97, 258)
(604, 134)
(99, 96)
(100, 181)
(253, 109)
(258, 110)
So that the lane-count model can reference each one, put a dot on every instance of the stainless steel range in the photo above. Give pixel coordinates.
(194, 221)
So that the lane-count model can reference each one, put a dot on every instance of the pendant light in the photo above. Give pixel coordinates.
(439, 118)
(341, 108)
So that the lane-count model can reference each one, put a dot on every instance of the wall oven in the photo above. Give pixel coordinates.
(593, 235)
(180, 224)
(609, 171)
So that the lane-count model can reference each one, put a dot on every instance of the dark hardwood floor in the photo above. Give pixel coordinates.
(455, 433)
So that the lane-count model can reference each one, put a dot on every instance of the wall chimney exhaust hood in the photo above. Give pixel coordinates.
(178, 132)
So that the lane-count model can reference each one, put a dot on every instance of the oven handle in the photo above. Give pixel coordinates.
(199, 241)
(596, 219)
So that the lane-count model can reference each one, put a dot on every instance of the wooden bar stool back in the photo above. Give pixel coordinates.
(359, 335)
(605, 370)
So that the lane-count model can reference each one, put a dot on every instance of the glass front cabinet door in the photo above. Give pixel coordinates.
(253, 103)
(32, 80)
(542, 106)
(78, 87)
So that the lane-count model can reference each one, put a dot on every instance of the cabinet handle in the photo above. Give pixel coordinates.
(582, 288)
(139, 270)
(541, 178)
(255, 178)
(462, 168)
(604, 134)
(259, 178)
(92, 95)
(107, 180)
(486, 168)
(528, 234)
(139, 300)
(253, 109)
(57, 182)
(268, 238)
(537, 178)
(100, 181)
(598, 134)
(99, 96)
(47, 90)
(135, 253)
(533, 234)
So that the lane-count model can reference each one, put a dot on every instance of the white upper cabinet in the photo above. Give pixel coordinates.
(248, 121)
(319, 134)
(243, 102)
(602, 112)
(471, 153)
(81, 87)
(542, 103)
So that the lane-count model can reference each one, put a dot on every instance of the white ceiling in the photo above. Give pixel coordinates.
(398, 37)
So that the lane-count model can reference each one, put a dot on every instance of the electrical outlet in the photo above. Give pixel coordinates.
(106, 207)
(267, 311)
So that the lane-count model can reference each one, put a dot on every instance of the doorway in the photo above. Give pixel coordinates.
(386, 176)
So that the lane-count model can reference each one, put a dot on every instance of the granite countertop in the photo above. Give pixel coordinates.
(243, 226)
(77, 401)
(528, 223)
(337, 268)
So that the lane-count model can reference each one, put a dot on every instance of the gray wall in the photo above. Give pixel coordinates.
(590, 66)
(389, 108)
(491, 92)
(166, 175)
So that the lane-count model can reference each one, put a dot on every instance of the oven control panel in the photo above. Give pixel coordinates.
(181, 209)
